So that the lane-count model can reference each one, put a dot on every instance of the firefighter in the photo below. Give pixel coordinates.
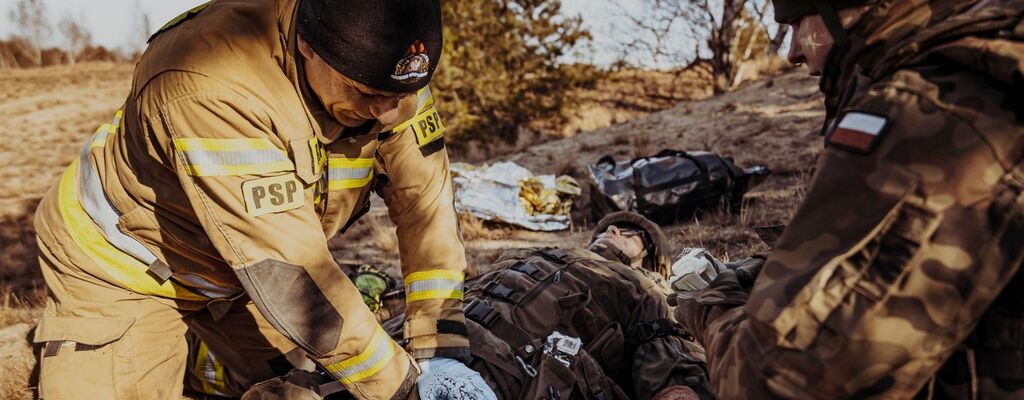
(254, 132)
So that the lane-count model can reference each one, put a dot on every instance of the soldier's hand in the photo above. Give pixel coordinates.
(447, 379)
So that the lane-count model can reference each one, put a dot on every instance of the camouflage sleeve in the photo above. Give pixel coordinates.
(909, 231)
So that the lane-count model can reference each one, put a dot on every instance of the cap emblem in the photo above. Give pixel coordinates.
(414, 66)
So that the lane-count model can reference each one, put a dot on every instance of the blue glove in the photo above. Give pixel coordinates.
(447, 379)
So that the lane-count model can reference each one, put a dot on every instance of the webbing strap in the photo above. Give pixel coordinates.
(832, 21)
(650, 330)
(528, 269)
(496, 289)
(417, 327)
(482, 313)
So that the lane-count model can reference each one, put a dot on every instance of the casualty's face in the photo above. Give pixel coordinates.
(350, 102)
(628, 241)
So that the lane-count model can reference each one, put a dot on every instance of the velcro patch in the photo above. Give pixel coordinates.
(858, 131)
(427, 126)
(272, 195)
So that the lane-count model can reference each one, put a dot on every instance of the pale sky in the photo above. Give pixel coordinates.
(112, 22)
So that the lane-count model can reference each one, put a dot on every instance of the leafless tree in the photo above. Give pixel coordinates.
(762, 11)
(30, 18)
(661, 27)
(76, 37)
(141, 32)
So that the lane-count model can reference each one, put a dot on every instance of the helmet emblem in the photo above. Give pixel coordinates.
(414, 66)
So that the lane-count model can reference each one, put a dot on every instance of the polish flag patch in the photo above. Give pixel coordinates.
(858, 131)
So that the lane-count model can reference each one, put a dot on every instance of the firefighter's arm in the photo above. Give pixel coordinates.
(418, 193)
(244, 191)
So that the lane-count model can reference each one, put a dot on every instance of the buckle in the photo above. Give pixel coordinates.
(555, 255)
(498, 290)
(481, 313)
(528, 269)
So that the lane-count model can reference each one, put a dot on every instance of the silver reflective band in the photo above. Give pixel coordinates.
(97, 205)
(434, 284)
(349, 173)
(102, 212)
(247, 157)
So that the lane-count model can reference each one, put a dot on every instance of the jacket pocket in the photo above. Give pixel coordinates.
(87, 331)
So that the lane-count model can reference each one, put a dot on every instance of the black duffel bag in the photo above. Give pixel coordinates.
(671, 185)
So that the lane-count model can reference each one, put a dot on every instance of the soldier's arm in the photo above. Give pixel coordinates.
(260, 216)
(418, 193)
(910, 229)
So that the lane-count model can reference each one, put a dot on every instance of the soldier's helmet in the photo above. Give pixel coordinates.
(658, 247)
(789, 11)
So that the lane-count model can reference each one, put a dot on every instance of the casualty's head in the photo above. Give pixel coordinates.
(638, 241)
(363, 56)
(818, 26)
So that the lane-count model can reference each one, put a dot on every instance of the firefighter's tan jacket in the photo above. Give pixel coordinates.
(223, 175)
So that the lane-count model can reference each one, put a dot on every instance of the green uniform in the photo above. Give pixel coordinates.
(898, 275)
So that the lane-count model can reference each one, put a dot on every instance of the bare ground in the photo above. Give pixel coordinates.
(46, 114)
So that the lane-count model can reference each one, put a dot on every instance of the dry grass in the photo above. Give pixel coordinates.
(18, 314)
(474, 228)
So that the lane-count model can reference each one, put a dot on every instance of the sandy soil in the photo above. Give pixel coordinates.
(46, 114)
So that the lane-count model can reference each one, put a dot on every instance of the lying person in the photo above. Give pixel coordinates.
(546, 323)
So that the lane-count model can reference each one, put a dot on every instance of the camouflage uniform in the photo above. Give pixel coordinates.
(897, 276)
(630, 346)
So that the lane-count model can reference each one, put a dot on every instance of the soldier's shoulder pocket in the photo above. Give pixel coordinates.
(886, 224)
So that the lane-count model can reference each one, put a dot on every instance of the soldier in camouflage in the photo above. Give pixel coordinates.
(898, 276)
(605, 306)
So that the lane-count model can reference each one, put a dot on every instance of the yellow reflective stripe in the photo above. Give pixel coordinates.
(319, 155)
(219, 157)
(426, 99)
(124, 268)
(116, 123)
(223, 144)
(435, 294)
(434, 285)
(378, 352)
(210, 372)
(247, 169)
(100, 137)
(348, 173)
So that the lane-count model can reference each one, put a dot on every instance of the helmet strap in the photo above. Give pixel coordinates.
(832, 21)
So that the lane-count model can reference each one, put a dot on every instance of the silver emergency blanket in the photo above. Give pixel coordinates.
(492, 193)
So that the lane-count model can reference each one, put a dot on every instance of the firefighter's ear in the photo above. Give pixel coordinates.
(304, 48)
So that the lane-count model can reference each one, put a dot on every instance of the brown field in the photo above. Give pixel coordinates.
(45, 114)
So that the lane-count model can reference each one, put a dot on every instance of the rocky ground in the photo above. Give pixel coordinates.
(46, 114)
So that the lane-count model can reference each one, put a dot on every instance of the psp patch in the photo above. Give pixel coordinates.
(272, 195)
(858, 131)
(429, 131)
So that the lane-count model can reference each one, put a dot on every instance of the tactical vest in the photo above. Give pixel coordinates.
(532, 294)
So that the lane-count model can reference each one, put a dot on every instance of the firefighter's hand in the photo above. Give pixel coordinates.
(447, 379)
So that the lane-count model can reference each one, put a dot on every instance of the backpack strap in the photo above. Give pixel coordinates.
(482, 313)
(647, 331)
